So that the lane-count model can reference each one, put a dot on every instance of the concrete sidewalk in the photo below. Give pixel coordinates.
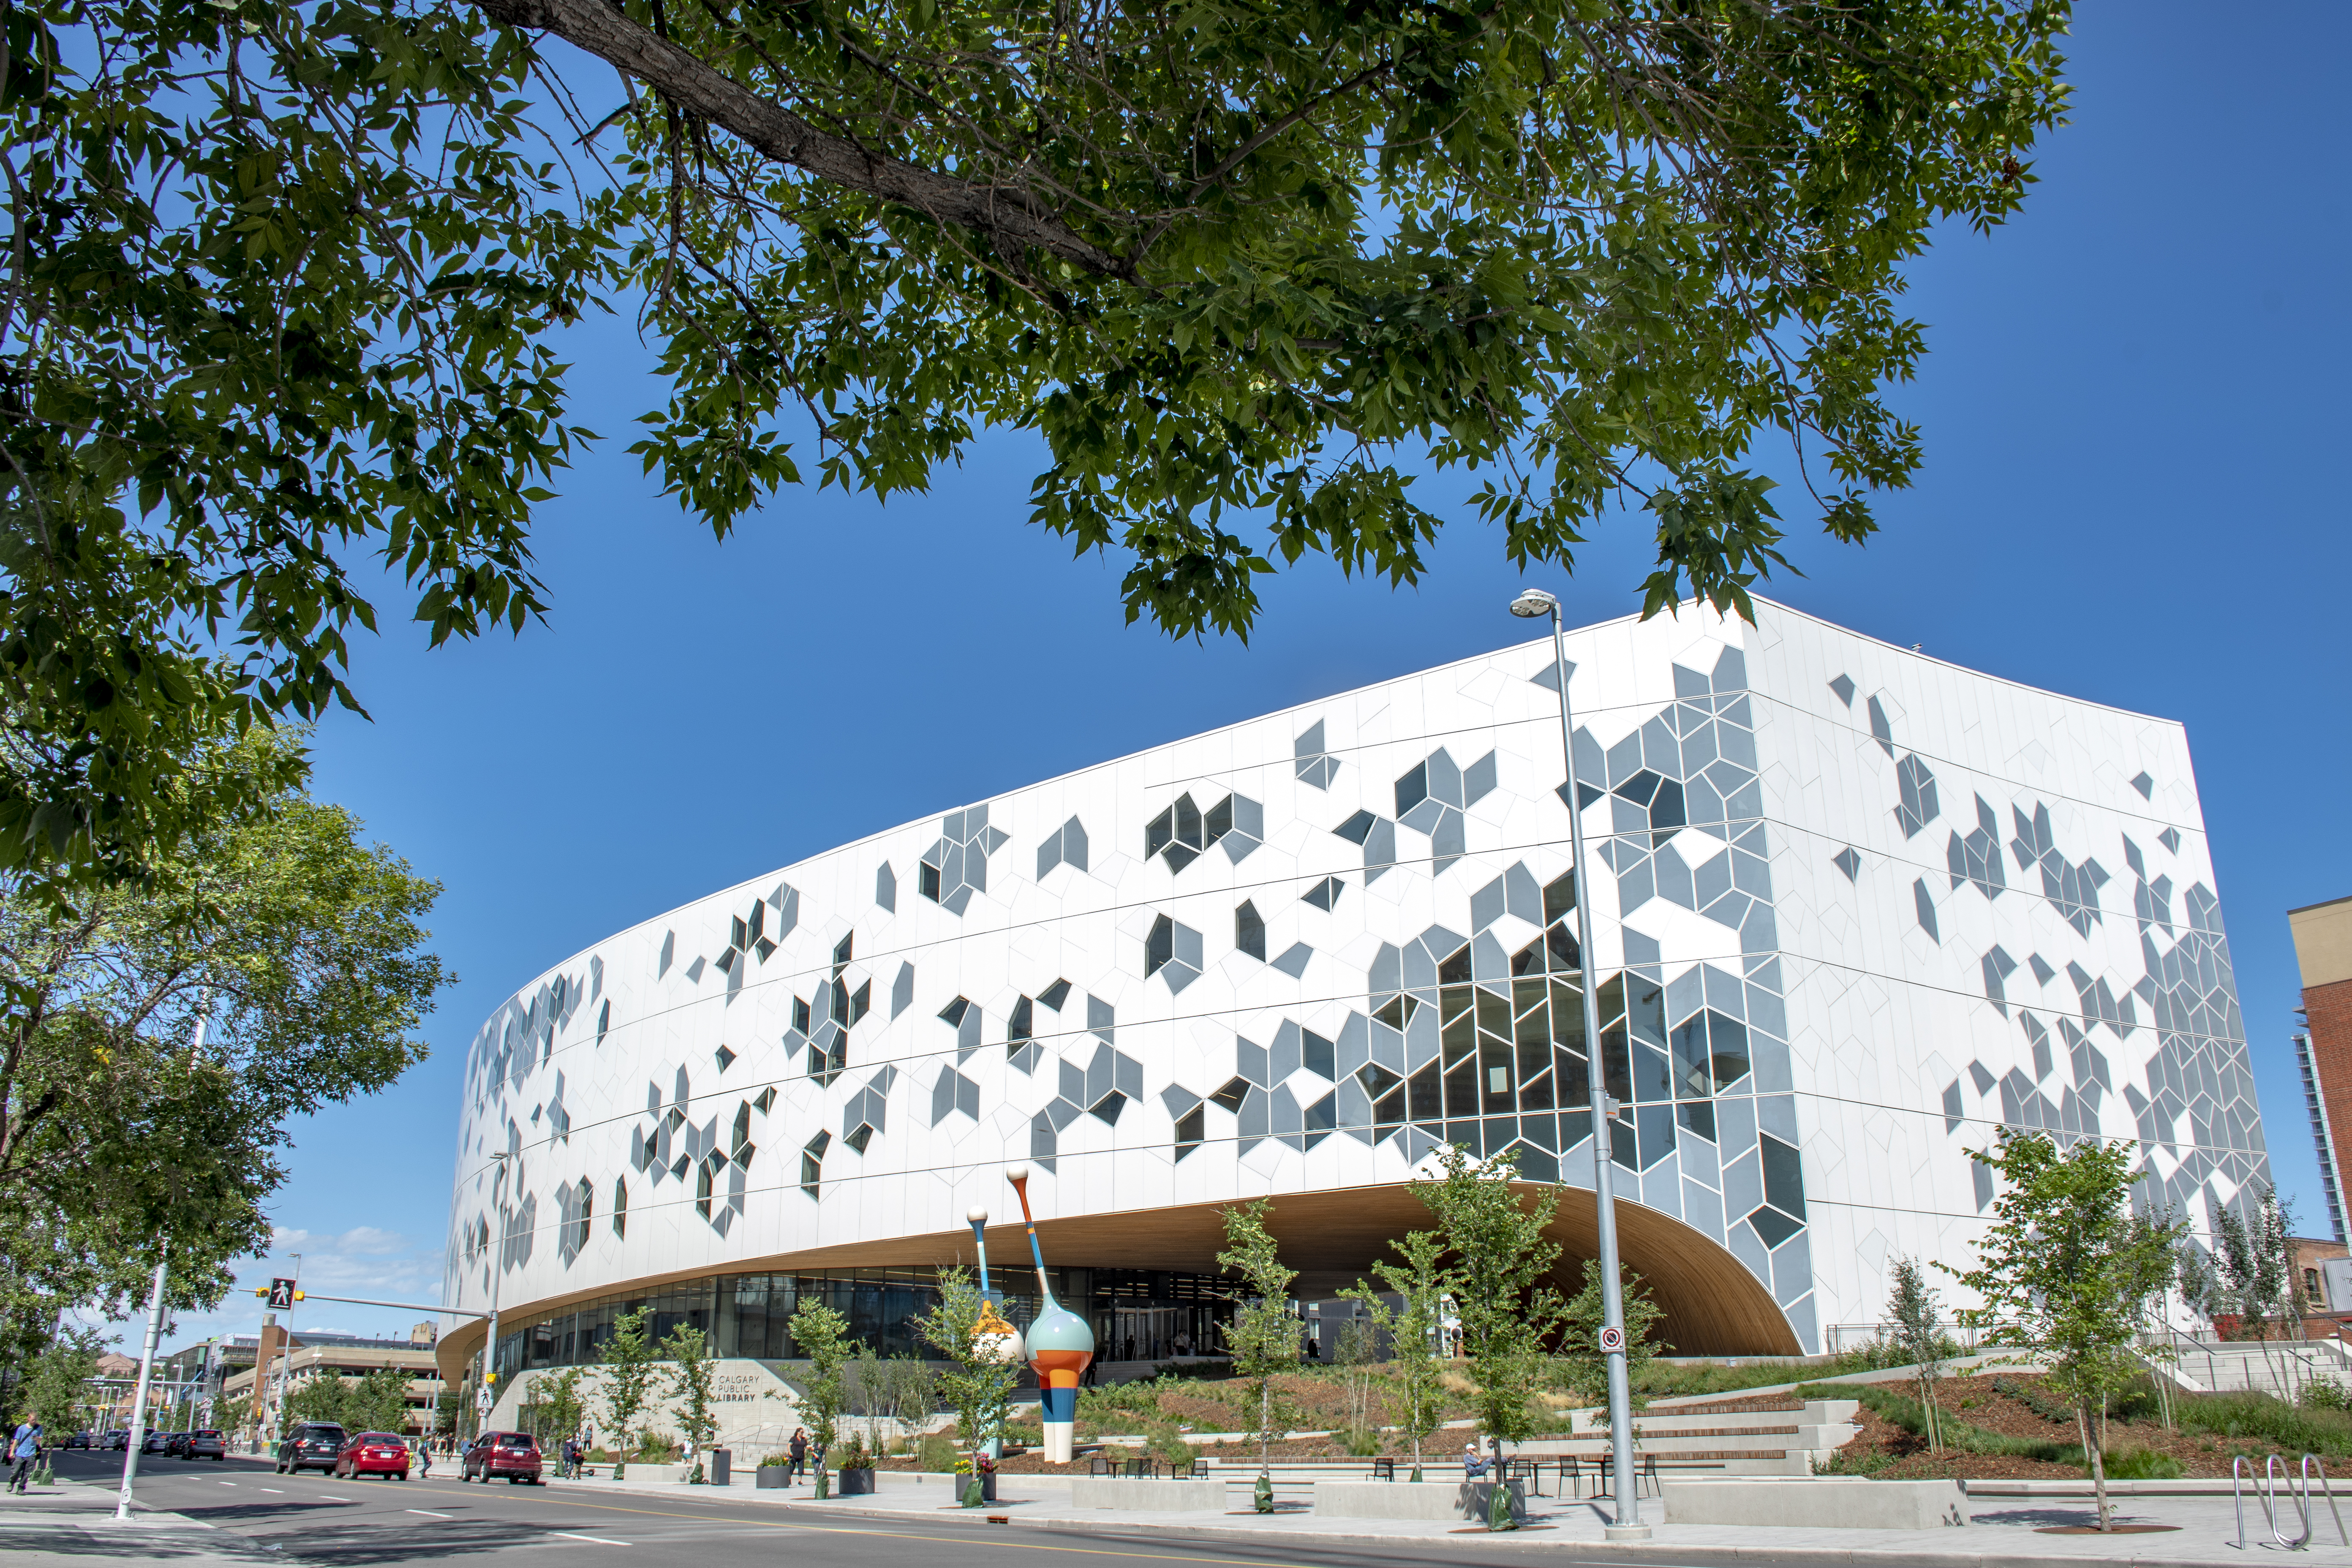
(2007, 1529)
(74, 1519)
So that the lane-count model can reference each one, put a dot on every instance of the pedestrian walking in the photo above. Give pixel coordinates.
(24, 1448)
(796, 1452)
(425, 1459)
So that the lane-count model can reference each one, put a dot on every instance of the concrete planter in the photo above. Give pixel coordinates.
(1148, 1496)
(768, 1478)
(855, 1483)
(1819, 1502)
(1462, 1500)
(640, 1471)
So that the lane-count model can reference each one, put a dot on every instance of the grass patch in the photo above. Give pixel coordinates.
(2142, 1465)
(1906, 1413)
(2267, 1419)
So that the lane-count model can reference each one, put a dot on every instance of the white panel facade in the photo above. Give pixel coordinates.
(1857, 908)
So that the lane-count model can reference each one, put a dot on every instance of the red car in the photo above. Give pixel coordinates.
(514, 1455)
(373, 1454)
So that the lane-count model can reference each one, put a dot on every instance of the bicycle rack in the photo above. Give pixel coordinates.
(2273, 1467)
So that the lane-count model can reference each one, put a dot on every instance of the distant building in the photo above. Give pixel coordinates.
(309, 1357)
(2322, 950)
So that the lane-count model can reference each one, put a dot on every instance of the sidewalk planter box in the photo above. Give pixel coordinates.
(1819, 1502)
(768, 1478)
(855, 1483)
(639, 1471)
(1462, 1500)
(1148, 1496)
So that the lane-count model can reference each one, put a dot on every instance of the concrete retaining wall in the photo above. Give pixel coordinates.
(1145, 1496)
(1818, 1502)
(1406, 1500)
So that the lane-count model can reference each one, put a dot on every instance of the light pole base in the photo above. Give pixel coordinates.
(1626, 1532)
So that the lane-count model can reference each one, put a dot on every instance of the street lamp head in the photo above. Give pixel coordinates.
(1534, 602)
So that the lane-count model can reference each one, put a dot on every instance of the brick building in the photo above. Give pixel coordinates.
(2322, 950)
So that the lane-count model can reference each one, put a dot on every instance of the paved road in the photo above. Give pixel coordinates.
(311, 1518)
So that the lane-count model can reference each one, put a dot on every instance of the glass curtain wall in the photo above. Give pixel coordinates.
(1136, 1314)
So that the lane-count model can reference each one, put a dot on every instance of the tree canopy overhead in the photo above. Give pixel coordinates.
(286, 281)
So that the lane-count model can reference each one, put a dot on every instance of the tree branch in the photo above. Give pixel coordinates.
(1004, 213)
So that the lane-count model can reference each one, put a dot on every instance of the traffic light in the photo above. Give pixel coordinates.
(279, 1293)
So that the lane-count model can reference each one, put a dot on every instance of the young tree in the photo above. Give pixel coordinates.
(1264, 1335)
(1500, 1258)
(2057, 1273)
(826, 209)
(1912, 1305)
(1418, 1281)
(2256, 1260)
(325, 1398)
(822, 1335)
(628, 1355)
(1355, 1357)
(557, 1409)
(56, 1386)
(1582, 1365)
(690, 1389)
(965, 1328)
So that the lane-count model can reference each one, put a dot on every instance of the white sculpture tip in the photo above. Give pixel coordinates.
(977, 1215)
(1016, 1173)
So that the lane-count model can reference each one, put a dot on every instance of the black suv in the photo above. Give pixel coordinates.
(313, 1445)
(204, 1444)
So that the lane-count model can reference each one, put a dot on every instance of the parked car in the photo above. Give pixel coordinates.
(117, 1441)
(206, 1444)
(312, 1445)
(154, 1442)
(175, 1445)
(512, 1455)
(373, 1454)
(77, 1440)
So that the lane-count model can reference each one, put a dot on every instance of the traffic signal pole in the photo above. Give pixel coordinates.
(123, 1500)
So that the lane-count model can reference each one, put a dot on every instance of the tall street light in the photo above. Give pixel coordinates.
(1534, 602)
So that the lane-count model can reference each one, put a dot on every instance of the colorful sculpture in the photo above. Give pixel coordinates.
(1061, 1345)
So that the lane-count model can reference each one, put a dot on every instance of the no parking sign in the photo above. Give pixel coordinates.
(1612, 1339)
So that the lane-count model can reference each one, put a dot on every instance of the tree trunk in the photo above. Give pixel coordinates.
(2099, 1465)
(1264, 1419)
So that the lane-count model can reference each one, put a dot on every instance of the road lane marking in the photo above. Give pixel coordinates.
(224, 1483)
(330, 1497)
(273, 1488)
(427, 1511)
(599, 1539)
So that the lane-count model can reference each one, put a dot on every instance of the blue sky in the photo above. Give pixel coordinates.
(2129, 497)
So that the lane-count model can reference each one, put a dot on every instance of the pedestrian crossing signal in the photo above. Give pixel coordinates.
(279, 1293)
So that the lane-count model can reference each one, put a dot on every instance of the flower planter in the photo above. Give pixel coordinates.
(857, 1483)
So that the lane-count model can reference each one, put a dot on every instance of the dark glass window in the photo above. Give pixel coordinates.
(1160, 947)
(1249, 930)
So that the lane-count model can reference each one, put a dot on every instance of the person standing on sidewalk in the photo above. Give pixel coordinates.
(797, 1452)
(425, 1459)
(24, 1448)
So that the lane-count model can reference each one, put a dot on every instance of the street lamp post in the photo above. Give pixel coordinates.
(139, 1401)
(1534, 602)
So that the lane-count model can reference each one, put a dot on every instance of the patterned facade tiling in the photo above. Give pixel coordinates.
(1854, 911)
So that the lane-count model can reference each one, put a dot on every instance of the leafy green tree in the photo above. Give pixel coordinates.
(1912, 1305)
(692, 1371)
(299, 950)
(561, 1411)
(1419, 1282)
(233, 1414)
(56, 1388)
(2060, 1273)
(1499, 1260)
(979, 1384)
(2255, 1258)
(1264, 1334)
(627, 1355)
(1582, 1367)
(325, 1398)
(1222, 260)
(379, 1401)
(822, 1335)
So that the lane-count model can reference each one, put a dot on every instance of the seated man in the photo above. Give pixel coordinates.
(1473, 1464)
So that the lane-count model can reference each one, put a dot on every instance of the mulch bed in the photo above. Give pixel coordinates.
(1974, 1400)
